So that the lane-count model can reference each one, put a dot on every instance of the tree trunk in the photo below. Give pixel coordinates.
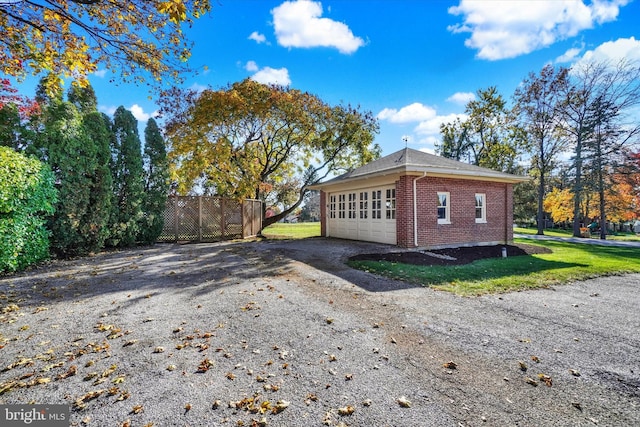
(541, 205)
(577, 190)
(273, 219)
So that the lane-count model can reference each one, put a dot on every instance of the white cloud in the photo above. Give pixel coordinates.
(257, 37)
(427, 132)
(299, 24)
(431, 127)
(139, 114)
(615, 51)
(462, 98)
(100, 73)
(268, 75)
(506, 29)
(251, 66)
(569, 56)
(415, 112)
(136, 110)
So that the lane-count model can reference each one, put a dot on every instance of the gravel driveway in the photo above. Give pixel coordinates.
(283, 333)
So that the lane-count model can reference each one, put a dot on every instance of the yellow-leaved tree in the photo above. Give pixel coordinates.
(267, 142)
(72, 38)
(559, 204)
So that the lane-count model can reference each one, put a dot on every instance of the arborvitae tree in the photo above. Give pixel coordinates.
(97, 219)
(72, 157)
(128, 179)
(156, 184)
(98, 129)
(84, 98)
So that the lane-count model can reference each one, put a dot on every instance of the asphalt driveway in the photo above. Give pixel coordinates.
(204, 335)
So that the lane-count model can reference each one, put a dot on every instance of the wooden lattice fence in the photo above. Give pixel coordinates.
(210, 219)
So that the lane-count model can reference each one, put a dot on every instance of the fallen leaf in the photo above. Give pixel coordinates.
(346, 410)
(531, 381)
(546, 379)
(535, 359)
(137, 409)
(404, 402)
(450, 365)
(367, 402)
(523, 366)
(574, 372)
(158, 349)
(73, 369)
(281, 405)
(205, 365)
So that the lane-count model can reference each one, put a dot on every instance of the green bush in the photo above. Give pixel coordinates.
(27, 196)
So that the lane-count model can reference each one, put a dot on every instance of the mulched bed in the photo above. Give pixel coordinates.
(452, 256)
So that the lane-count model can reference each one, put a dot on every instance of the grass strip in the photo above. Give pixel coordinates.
(568, 262)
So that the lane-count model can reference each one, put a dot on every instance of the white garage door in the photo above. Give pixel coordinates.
(366, 214)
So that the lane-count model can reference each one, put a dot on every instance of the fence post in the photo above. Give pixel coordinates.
(175, 216)
(199, 219)
(222, 222)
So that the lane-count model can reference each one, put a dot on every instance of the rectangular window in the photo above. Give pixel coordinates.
(332, 206)
(390, 203)
(376, 204)
(364, 205)
(352, 205)
(444, 208)
(481, 208)
(341, 206)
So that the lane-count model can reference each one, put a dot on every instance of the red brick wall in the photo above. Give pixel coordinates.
(404, 211)
(463, 229)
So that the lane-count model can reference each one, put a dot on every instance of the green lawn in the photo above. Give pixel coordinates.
(299, 230)
(567, 262)
(569, 233)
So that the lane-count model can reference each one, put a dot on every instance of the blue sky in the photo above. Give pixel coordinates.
(414, 64)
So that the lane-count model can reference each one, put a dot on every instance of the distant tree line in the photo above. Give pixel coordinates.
(105, 190)
(573, 130)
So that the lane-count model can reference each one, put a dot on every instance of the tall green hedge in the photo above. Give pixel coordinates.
(27, 196)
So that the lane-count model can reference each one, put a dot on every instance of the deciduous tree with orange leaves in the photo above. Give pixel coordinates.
(72, 38)
(263, 141)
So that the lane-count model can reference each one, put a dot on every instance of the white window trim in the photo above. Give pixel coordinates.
(482, 220)
(447, 207)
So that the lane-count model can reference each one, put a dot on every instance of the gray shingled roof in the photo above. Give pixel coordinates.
(409, 160)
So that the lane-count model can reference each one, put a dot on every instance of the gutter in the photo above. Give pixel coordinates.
(415, 209)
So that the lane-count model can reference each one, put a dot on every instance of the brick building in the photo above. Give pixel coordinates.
(415, 199)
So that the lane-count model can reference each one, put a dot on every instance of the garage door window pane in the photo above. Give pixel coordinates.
(364, 205)
(341, 206)
(390, 204)
(376, 204)
(352, 205)
(332, 206)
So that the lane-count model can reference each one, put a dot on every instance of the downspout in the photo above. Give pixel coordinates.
(415, 209)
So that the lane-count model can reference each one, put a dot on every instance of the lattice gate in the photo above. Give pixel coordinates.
(210, 219)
